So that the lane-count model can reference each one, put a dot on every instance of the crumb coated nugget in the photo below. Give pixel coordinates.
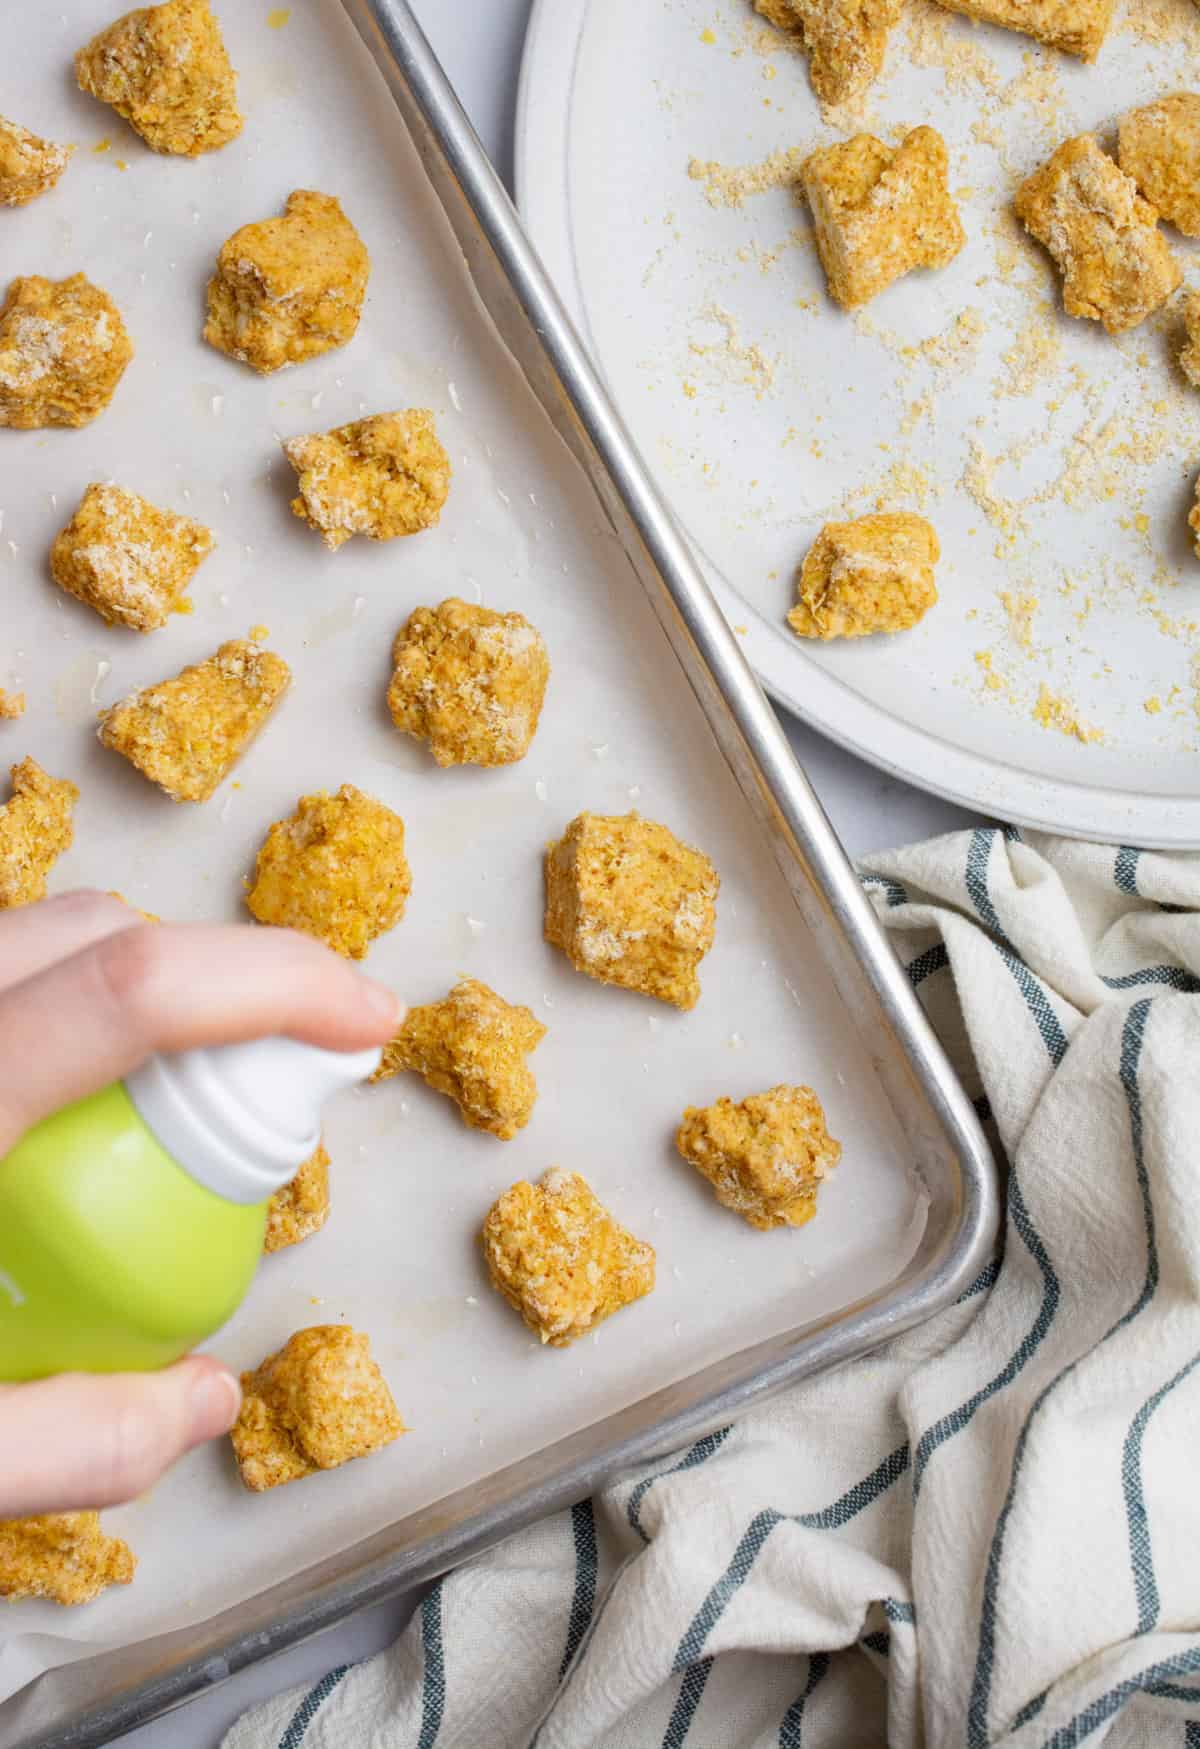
(28, 166)
(845, 40)
(765, 1157)
(560, 1259)
(384, 477)
(301, 1207)
(1103, 236)
(316, 1404)
(872, 575)
(1159, 146)
(1189, 357)
(12, 705)
(1078, 27)
(629, 904)
(289, 288)
(63, 350)
(472, 1046)
(62, 1556)
(880, 211)
(165, 70)
(335, 869)
(130, 561)
(186, 734)
(470, 682)
(35, 829)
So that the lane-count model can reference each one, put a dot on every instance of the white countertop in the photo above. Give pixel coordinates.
(480, 47)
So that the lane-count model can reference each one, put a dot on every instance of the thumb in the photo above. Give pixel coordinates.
(88, 1439)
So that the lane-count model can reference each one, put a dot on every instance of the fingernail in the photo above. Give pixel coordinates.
(216, 1398)
(383, 1001)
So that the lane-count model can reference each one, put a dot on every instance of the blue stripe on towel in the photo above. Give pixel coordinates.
(309, 1707)
(583, 1603)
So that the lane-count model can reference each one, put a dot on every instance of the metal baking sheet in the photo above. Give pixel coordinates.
(651, 705)
(1056, 463)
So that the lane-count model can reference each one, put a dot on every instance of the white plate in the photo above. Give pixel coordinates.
(778, 422)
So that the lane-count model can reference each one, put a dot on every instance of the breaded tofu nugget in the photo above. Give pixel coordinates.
(316, 1404)
(301, 1207)
(28, 166)
(12, 705)
(1078, 27)
(871, 575)
(472, 1046)
(187, 734)
(290, 288)
(629, 904)
(470, 682)
(1159, 146)
(1103, 236)
(880, 211)
(63, 350)
(127, 559)
(165, 70)
(1189, 356)
(35, 829)
(61, 1556)
(765, 1157)
(560, 1259)
(845, 40)
(335, 869)
(384, 477)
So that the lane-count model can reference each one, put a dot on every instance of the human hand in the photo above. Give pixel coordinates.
(87, 992)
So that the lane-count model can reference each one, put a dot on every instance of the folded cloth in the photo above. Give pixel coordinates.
(988, 1532)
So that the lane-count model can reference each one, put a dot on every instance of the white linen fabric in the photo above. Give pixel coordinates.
(988, 1533)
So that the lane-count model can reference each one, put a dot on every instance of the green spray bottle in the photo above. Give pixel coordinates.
(131, 1222)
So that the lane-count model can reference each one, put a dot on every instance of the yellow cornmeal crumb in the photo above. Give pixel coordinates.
(1159, 146)
(383, 477)
(127, 559)
(28, 166)
(35, 829)
(63, 350)
(765, 1157)
(1053, 711)
(61, 1556)
(12, 705)
(730, 184)
(316, 1404)
(629, 904)
(472, 1046)
(872, 575)
(1078, 27)
(1152, 705)
(278, 17)
(335, 869)
(470, 682)
(301, 1207)
(1189, 356)
(186, 734)
(560, 1259)
(1021, 610)
(165, 70)
(880, 211)
(1103, 236)
(845, 39)
(290, 288)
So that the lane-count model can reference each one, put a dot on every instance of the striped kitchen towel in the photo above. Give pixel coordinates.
(988, 1533)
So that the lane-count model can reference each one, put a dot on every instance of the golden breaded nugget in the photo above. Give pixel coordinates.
(765, 1157)
(301, 1208)
(63, 350)
(1103, 236)
(35, 829)
(1078, 27)
(880, 211)
(472, 1046)
(316, 1404)
(470, 682)
(61, 1556)
(871, 575)
(560, 1259)
(165, 70)
(290, 288)
(384, 477)
(28, 166)
(845, 40)
(12, 705)
(187, 734)
(336, 869)
(629, 904)
(1159, 146)
(130, 561)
